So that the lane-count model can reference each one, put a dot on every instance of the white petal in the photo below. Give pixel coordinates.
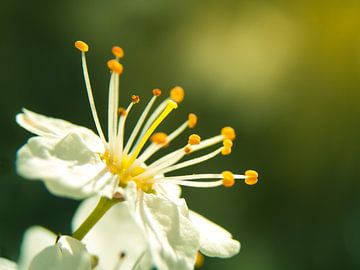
(67, 253)
(6, 264)
(47, 126)
(171, 190)
(35, 239)
(215, 241)
(116, 232)
(67, 166)
(173, 240)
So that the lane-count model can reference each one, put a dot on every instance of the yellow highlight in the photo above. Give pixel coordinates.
(156, 92)
(177, 94)
(228, 133)
(135, 99)
(199, 260)
(227, 143)
(115, 66)
(169, 107)
(251, 177)
(192, 120)
(159, 138)
(226, 151)
(81, 46)
(117, 52)
(194, 139)
(228, 179)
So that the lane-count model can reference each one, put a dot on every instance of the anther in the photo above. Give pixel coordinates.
(227, 143)
(177, 94)
(156, 92)
(228, 133)
(251, 177)
(135, 99)
(194, 139)
(199, 260)
(94, 261)
(115, 66)
(122, 111)
(228, 179)
(81, 46)
(159, 138)
(118, 196)
(226, 150)
(172, 104)
(117, 52)
(192, 120)
(187, 149)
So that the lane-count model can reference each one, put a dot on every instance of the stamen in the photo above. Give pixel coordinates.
(117, 52)
(83, 47)
(199, 261)
(228, 133)
(135, 99)
(228, 180)
(122, 111)
(177, 94)
(156, 92)
(227, 143)
(194, 139)
(113, 100)
(159, 138)
(226, 151)
(251, 177)
(115, 66)
(121, 130)
(192, 120)
(169, 107)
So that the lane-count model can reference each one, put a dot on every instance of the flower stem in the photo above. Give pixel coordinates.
(101, 208)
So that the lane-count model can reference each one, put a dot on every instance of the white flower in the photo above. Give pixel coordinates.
(74, 162)
(40, 252)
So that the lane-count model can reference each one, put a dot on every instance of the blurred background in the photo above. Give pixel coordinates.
(284, 74)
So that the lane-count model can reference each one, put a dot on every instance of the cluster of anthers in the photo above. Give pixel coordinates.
(128, 160)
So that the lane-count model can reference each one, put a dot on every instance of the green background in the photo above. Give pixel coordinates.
(284, 74)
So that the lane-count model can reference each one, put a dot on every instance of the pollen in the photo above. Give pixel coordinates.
(156, 92)
(135, 99)
(226, 151)
(228, 179)
(194, 139)
(117, 52)
(251, 177)
(227, 143)
(177, 94)
(228, 133)
(122, 111)
(159, 138)
(192, 120)
(81, 46)
(115, 66)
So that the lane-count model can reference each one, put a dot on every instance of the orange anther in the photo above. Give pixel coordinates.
(187, 150)
(156, 92)
(122, 111)
(135, 99)
(199, 260)
(228, 133)
(227, 143)
(194, 139)
(159, 138)
(177, 94)
(251, 177)
(228, 179)
(192, 120)
(81, 46)
(115, 66)
(117, 51)
(226, 151)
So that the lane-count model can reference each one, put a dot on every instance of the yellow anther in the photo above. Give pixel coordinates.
(192, 120)
(81, 46)
(177, 94)
(226, 151)
(156, 92)
(228, 179)
(115, 66)
(135, 99)
(159, 138)
(122, 111)
(251, 177)
(199, 260)
(194, 139)
(187, 149)
(117, 51)
(228, 133)
(227, 143)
